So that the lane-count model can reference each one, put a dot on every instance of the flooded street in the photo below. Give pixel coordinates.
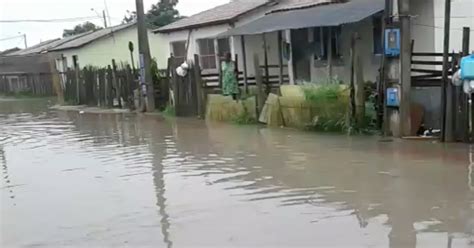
(87, 180)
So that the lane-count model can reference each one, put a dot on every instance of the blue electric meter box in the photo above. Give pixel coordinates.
(467, 68)
(393, 98)
(392, 42)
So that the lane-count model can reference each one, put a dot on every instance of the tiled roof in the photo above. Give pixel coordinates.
(218, 15)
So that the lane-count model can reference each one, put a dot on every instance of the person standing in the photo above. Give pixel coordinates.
(230, 85)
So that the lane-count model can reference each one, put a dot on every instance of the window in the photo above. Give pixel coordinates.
(378, 35)
(207, 54)
(321, 35)
(223, 47)
(178, 49)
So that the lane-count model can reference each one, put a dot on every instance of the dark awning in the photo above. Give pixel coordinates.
(320, 16)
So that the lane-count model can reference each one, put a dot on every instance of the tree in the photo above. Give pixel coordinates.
(131, 16)
(81, 28)
(162, 13)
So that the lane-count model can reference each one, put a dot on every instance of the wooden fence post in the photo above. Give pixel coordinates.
(280, 58)
(76, 84)
(352, 81)
(244, 60)
(465, 103)
(175, 86)
(109, 88)
(199, 88)
(236, 63)
(116, 84)
(258, 80)
(102, 87)
(219, 71)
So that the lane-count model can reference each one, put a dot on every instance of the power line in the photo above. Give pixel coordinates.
(12, 37)
(72, 19)
(438, 27)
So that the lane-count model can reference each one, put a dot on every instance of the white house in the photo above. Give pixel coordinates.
(197, 34)
(305, 26)
(100, 47)
(245, 28)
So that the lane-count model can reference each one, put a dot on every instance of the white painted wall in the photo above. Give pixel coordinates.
(202, 33)
(364, 47)
(194, 35)
(101, 52)
(462, 15)
(422, 25)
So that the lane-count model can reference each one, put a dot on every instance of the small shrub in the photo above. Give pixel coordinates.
(169, 111)
(329, 106)
(244, 118)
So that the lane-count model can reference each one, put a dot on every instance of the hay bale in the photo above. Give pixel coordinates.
(271, 113)
(225, 109)
(292, 91)
(296, 111)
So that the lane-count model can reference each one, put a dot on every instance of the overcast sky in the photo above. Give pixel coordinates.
(56, 9)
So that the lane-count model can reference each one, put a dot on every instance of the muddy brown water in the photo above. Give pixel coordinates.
(88, 180)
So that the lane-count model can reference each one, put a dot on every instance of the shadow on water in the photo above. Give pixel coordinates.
(208, 178)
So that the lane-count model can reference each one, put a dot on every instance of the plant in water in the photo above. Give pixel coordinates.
(169, 111)
(244, 117)
(329, 104)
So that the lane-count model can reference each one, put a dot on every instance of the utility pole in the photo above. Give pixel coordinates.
(105, 18)
(405, 68)
(447, 87)
(146, 82)
(24, 40)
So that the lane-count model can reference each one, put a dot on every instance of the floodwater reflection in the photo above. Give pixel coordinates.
(124, 180)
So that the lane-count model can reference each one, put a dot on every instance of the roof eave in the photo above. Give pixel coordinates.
(194, 26)
(229, 21)
(89, 42)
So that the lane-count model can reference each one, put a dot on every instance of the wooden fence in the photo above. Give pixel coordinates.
(104, 87)
(427, 68)
(37, 84)
(190, 92)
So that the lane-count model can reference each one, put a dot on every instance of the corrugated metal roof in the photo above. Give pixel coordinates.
(90, 37)
(47, 45)
(326, 15)
(33, 49)
(286, 5)
(218, 15)
(9, 51)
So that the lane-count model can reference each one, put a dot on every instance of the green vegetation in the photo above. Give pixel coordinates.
(169, 111)
(329, 107)
(22, 94)
(160, 14)
(81, 28)
(244, 118)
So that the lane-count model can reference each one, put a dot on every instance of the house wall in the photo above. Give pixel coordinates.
(422, 25)
(207, 32)
(254, 45)
(194, 35)
(461, 16)
(101, 52)
(364, 47)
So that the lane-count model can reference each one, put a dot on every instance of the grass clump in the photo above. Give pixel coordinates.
(329, 107)
(244, 118)
(169, 111)
(22, 94)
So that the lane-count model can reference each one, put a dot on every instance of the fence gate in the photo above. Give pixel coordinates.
(184, 91)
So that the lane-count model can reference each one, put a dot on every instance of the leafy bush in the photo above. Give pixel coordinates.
(169, 111)
(244, 117)
(329, 106)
